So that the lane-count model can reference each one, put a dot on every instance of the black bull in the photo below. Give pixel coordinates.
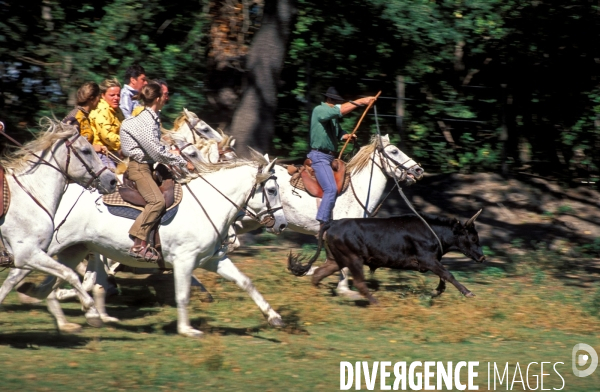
(401, 242)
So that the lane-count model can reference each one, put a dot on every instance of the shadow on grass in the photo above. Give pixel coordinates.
(35, 340)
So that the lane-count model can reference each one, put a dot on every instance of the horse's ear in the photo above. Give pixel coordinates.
(191, 117)
(232, 143)
(270, 166)
(257, 156)
(386, 138)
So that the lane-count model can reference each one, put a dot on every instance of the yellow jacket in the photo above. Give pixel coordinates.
(137, 110)
(106, 123)
(85, 128)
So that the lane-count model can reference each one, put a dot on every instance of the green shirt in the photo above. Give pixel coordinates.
(325, 130)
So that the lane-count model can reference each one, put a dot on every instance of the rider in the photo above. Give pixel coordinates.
(106, 120)
(88, 97)
(140, 141)
(325, 131)
(135, 79)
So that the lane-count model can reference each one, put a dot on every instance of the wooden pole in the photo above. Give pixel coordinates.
(358, 124)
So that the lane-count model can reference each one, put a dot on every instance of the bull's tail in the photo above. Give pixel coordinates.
(295, 261)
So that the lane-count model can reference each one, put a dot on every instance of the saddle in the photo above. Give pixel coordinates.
(163, 179)
(129, 196)
(306, 174)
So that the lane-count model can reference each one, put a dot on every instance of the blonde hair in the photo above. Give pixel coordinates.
(108, 83)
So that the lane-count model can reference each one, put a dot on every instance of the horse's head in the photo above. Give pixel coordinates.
(265, 201)
(198, 127)
(76, 159)
(188, 150)
(396, 163)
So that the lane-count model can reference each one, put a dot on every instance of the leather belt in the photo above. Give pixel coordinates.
(328, 152)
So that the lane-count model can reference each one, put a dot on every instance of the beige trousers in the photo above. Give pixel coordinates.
(142, 175)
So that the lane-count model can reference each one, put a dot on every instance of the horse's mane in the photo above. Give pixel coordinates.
(225, 143)
(256, 160)
(179, 121)
(363, 156)
(54, 131)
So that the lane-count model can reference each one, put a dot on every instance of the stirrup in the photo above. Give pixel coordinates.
(141, 252)
(6, 259)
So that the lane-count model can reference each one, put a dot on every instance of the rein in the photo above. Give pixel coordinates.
(382, 150)
(70, 148)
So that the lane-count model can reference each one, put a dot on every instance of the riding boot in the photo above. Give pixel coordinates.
(6, 258)
(141, 250)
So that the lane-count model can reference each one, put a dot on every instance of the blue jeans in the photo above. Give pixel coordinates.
(321, 163)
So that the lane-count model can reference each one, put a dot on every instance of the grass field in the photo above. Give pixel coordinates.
(527, 309)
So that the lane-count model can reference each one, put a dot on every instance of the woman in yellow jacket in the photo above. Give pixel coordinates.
(106, 119)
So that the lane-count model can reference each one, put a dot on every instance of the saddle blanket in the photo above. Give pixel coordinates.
(119, 207)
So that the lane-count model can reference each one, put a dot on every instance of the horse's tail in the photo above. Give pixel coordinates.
(295, 262)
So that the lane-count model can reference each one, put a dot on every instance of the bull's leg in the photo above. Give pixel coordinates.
(440, 289)
(443, 273)
(355, 264)
(229, 271)
(324, 271)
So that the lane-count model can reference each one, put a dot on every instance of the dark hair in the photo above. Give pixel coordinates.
(87, 92)
(149, 93)
(162, 82)
(134, 71)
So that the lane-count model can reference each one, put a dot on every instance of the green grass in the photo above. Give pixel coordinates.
(520, 315)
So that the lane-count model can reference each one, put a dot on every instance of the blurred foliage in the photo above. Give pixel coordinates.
(490, 85)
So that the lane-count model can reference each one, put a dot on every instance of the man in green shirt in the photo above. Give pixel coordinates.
(325, 132)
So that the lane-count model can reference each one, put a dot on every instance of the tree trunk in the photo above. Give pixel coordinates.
(253, 122)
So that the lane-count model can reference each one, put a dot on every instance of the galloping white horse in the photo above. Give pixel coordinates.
(369, 170)
(37, 176)
(211, 203)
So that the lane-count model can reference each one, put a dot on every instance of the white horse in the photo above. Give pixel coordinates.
(192, 239)
(369, 171)
(215, 144)
(37, 176)
(212, 146)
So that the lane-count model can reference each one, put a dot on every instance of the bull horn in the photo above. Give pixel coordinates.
(472, 220)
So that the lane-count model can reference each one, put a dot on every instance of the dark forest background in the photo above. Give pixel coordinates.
(500, 86)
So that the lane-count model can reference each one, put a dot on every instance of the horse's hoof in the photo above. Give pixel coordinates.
(92, 317)
(192, 333)
(276, 322)
(349, 294)
(108, 319)
(95, 322)
(436, 293)
(70, 328)
(469, 294)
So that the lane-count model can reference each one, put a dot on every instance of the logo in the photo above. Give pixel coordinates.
(582, 359)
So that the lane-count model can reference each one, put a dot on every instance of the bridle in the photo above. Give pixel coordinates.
(65, 172)
(269, 219)
(387, 163)
(95, 175)
(265, 217)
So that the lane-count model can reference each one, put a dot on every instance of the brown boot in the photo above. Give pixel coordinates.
(6, 259)
(141, 250)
